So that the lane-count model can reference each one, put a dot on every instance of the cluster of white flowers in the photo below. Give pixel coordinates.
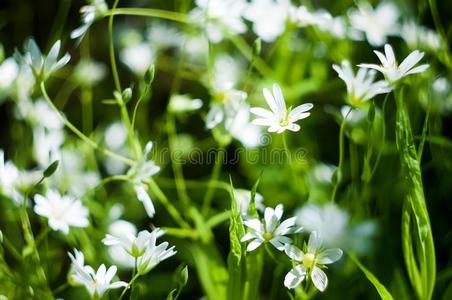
(307, 263)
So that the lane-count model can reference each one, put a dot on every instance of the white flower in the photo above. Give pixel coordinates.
(138, 58)
(376, 24)
(90, 13)
(133, 245)
(360, 87)
(9, 70)
(47, 145)
(163, 36)
(272, 230)
(89, 72)
(154, 253)
(183, 104)
(310, 263)
(269, 17)
(141, 174)
(97, 283)
(240, 127)
(279, 118)
(61, 211)
(417, 36)
(333, 224)
(243, 201)
(219, 17)
(9, 178)
(121, 229)
(42, 66)
(391, 70)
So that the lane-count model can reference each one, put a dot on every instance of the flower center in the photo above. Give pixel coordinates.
(268, 236)
(308, 260)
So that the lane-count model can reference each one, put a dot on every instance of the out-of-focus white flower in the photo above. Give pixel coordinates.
(303, 17)
(323, 173)
(269, 17)
(134, 245)
(180, 104)
(154, 253)
(9, 179)
(9, 70)
(417, 36)
(47, 145)
(121, 229)
(227, 100)
(97, 283)
(333, 224)
(392, 71)
(360, 87)
(89, 72)
(376, 23)
(330, 222)
(61, 211)
(310, 263)
(226, 72)
(272, 230)
(163, 36)
(243, 201)
(42, 66)
(115, 135)
(219, 17)
(90, 13)
(240, 127)
(138, 58)
(115, 138)
(196, 47)
(72, 174)
(141, 174)
(279, 118)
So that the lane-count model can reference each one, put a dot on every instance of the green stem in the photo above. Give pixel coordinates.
(44, 232)
(82, 136)
(247, 51)
(181, 232)
(289, 156)
(218, 219)
(208, 197)
(149, 12)
(383, 138)
(176, 166)
(341, 155)
(169, 207)
(114, 68)
(129, 285)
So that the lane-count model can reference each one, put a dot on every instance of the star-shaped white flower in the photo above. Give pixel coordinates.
(310, 263)
(90, 13)
(280, 118)
(97, 283)
(272, 230)
(134, 245)
(61, 211)
(360, 87)
(392, 71)
(154, 253)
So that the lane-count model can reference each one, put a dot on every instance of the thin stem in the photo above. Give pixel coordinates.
(341, 156)
(149, 12)
(82, 136)
(289, 156)
(383, 137)
(169, 207)
(218, 219)
(11, 248)
(176, 166)
(181, 232)
(44, 232)
(114, 68)
(129, 285)
(208, 197)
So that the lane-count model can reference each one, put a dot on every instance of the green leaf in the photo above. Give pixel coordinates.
(381, 289)
(51, 169)
(417, 238)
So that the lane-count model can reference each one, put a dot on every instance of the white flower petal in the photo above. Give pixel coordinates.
(329, 256)
(294, 277)
(319, 278)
